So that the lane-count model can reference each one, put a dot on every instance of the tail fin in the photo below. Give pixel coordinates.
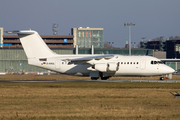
(33, 44)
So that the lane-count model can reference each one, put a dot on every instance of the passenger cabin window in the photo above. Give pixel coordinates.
(129, 63)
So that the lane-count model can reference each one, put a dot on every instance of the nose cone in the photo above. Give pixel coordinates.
(166, 70)
(171, 70)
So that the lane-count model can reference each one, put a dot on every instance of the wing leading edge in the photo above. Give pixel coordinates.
(88, 58)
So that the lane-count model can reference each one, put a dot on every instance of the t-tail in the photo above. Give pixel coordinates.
(33, 44)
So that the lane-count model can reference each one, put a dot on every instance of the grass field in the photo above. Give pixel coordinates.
(89, 101)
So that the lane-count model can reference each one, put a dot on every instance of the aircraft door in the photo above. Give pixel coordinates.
(57, 64)
(143, 64)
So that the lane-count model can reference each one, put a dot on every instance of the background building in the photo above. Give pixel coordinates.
(53, 41)
(171, 47)
(86, 37)
(1, 37)
(156, 45)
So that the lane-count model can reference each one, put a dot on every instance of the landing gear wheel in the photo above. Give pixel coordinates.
(104, 78)
(94, 78)
(161, 78)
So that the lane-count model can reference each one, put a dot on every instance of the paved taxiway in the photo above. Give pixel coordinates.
(94, 81)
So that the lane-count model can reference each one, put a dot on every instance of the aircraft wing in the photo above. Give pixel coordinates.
(88, 58)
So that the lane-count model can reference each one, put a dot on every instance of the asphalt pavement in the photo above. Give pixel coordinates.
(93, 81)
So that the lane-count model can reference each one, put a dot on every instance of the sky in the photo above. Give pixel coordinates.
(153, 18)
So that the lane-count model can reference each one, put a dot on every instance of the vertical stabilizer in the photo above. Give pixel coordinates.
(33, 44)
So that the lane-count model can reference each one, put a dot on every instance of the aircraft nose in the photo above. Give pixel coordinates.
(171, 70)
(167, 70)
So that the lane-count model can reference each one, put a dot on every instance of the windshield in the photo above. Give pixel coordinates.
(156, 62)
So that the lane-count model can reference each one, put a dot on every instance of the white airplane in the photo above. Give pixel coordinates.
(95, 66)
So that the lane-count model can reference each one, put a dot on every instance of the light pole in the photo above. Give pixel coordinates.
(129, 24)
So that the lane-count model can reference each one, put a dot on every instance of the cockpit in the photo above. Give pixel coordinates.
(157, 62)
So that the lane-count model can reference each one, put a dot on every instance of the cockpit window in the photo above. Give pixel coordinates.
(156, 62)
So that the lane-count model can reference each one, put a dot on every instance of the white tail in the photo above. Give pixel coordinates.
(33, 44)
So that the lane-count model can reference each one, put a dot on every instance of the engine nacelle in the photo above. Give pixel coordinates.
(112, 66)
(104, 67)
(101, 67)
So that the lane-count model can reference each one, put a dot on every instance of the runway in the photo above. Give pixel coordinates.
(89, 81)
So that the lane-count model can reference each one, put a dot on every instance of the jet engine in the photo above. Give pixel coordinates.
(104, 67)
(101, 67)
(113, 66)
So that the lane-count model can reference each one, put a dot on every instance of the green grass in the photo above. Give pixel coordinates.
(90, 101)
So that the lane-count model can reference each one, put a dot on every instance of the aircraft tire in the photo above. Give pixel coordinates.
(161, 78)
(94, 78)
(104, 78)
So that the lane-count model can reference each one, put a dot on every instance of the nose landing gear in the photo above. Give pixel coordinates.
(161, 78)
(167, 77)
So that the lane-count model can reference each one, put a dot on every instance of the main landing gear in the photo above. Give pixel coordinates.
(96, 75)
(94, 78)
(102, 78)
